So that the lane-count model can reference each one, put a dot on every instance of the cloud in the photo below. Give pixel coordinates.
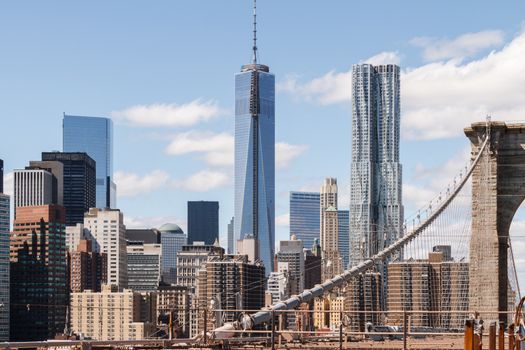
(285, 153)
(9, 184)
(283, 220)
(152, 221)
(203, 181)
(466, 45)
(387, 57)
(131, 184)
(171, 115)
(217, 149)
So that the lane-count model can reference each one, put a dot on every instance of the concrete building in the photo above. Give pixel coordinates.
(291, 252)
(278, 286)
(94, 136)
(79, 183)
(376, 210)
(203, 221)
(34, 187)
(112, 314)
(38, 273)
(4, 258)
(363, 300)
(332, 264)
(74, 234)
(248, 246)
(229, 283)
(144, 266)
(175, 301)
(231, 244)
(312, 269)
(172, 239)
(304, 216)
(88, 269)
(107, 230)
(433, 284)
(191, 258)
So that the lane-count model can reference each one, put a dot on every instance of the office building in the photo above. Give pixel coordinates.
(376, 210)
(312, 269)
(57, 170)
(38, 273)
(203, 222)
(106, 229)
(144, 265)
(226, 283)
(278, 287)
(191, 258)
(174, 301)
(94, 136)
(291, 252)
(254, 198)
(88, 269)
(231, 247)
(74, 234)
(112, 314)
(304, 216)
(79, 183)
(332, 264)
(343, 222)
(34, 187)
(4, 259)
(172, 240)
(248, 246)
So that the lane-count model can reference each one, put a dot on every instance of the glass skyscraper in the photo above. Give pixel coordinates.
(172, 239)
(4, 258)
(343, 223)
(203, 222)
(94, 136)
(305, 216)
(376, 210)
(255, 157)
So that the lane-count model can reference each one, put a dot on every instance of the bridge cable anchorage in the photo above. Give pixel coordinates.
(249, 321)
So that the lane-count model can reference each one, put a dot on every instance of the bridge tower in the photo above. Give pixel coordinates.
(498, 189)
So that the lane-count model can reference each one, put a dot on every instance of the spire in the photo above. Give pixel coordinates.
(254, 32)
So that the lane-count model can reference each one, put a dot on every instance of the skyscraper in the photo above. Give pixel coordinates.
(203, 222)
(172, 239)
(291, 252)
(255, 155)
(343, 217)
(79, 183)
(376, 210)
(304, 216)
(4, 258)
(230, 249)
(94, 136)
(332, 264)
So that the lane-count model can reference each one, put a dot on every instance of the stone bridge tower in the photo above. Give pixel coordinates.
(498, 189)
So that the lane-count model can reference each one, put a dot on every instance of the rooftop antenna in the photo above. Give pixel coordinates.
(254, 32)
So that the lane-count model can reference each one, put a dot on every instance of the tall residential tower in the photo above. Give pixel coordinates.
(255, 155)
(376, 210)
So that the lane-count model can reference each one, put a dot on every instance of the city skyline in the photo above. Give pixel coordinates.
(140, 182)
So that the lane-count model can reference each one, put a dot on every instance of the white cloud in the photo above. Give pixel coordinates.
(203, 181)
(172, 115)
(152, 221)
(465, 45)
(131, 184)
(285, 153)
(283, 220)
(217, 148)
(9, 184)
(387, 57)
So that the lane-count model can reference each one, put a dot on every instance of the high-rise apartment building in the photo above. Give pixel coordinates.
(88, 269)
(203, 222)
(304, 216)
(106, 229)
(376, 210)
(172, 240)
(94, 136)
(343, 218)
(38, 273)
(4, 258)
(291, 252)
(175, 301)
(112, 314)
(254, 198)
(231, 245)
(332, 264)
(79, 183)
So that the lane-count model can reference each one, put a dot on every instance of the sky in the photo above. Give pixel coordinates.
(164, 72)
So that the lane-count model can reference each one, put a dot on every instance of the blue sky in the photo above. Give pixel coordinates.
(164, 72)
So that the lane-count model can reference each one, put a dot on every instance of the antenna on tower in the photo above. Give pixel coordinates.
(254, 32)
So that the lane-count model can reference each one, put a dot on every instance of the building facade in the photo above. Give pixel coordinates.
(88, 269)
(106, 228)
(304, 216)
(312, 269)
(332, 264)
(34, 187)
(376, 210)
(38, 273)
(173, 310)
(94, 136)
(291, 252)
(203, 222)
(144, 266)
(4, 260)
(172, 240)
(231, 245)
(111, 314)
(254, 198)
(79, 183)
(343, 222)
